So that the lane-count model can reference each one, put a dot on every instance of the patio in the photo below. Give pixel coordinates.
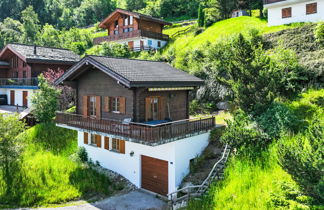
(6, 109)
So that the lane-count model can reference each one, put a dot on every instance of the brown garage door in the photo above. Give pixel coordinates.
(155, 175)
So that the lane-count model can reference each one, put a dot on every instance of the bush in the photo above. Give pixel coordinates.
(82, 154)
(319, 33)
(242, 134)
(276, 119)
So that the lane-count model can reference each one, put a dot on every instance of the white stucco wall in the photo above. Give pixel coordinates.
(18, 95)
(137, 42)
(178, 155)
(298, 8)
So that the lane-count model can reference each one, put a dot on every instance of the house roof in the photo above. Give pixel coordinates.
(33, 53)
(134, 14)
(135, 73)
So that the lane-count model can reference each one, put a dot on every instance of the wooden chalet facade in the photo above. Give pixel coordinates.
(20, 66)
(132, 116)
(138, 31)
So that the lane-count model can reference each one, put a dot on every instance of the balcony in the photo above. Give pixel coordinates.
(19, 82)
(138, 132)
(131, 34)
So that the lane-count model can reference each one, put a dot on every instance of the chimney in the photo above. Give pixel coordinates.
(35, 50)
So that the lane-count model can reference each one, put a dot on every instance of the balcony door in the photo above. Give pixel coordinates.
(131, 45)
(92, 106)
(25, 99)
(154, 108)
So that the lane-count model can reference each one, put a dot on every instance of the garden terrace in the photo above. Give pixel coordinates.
(139, 132)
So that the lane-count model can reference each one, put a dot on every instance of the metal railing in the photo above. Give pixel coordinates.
(198, 190)
(141, 133)
(131, 34)
(19, 82)
(271, 1)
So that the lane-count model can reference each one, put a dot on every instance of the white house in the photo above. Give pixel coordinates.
(133, 118)
(291, 11)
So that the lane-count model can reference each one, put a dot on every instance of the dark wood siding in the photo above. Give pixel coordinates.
(96, 83)
(155, 175)
(177, 101)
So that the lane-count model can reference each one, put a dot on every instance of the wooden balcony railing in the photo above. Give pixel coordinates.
(131, 34)
(19, 82)
(137, 132)
(271, 1)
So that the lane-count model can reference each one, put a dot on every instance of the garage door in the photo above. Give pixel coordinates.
(155, 175)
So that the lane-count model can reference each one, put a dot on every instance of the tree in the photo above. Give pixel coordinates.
(9, 31)
(225, 7)
(49, 36)
(30, 25)
(10, 128)
(201, 16)
(45, 100)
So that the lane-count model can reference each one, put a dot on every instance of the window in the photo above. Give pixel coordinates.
(311, 8)
(149, 42)
(159, 44)
(131, 20)
(24, 64)
(130, 29)
(116, 23)
(16, 74)
(24, 74)
(92, 106)
(286, 12)
(116, 104)
(93, 139)
(126, 30)
(115, 145)
(115, 32)
(14, 62)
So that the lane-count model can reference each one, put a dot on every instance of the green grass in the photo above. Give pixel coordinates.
(50, 173)
(264, 183)
(218, 31)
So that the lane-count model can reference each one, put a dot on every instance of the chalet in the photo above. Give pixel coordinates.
(21, 64)
(138, 31)
(290, 11)
(132, 117)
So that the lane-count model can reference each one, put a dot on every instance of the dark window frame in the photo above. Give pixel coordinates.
(285, 12)
(314, 11)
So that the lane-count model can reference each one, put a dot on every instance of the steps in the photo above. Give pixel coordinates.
(217, 173)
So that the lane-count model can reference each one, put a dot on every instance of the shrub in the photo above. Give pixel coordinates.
(216, 133)
(242, 134)
(319, 33)
(276, 119)
(82, 154)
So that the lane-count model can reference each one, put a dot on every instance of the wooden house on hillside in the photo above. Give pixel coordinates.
(138, 31)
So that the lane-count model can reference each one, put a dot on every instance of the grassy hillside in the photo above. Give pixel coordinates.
(50, 171)
(217, 31)
(268, 182)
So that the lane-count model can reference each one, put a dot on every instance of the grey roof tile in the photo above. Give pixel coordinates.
(45, 53)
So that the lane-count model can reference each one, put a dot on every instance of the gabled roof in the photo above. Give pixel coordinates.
(134, 73)
(33, 53)
(135, 15)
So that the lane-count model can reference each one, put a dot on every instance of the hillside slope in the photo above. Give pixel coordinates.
(190, 41)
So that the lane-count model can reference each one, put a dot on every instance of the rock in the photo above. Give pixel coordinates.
(225, 105)
(187, 184)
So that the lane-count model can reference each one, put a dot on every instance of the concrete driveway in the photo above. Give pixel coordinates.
(135, 200)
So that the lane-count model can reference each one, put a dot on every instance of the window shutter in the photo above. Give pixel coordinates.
(85, 105)
(122, 105)
(106, 143)
(85, 138)
(98, 107)
(147, 108)
(107, 104)
(98, 141)
(122, 146)
(162, 107)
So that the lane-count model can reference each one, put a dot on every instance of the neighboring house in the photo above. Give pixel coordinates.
(290, 11)
(138, 31)
(133, 118)
(239, 13)
(21, 64)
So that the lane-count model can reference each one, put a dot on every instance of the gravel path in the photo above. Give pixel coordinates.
(135, 200)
